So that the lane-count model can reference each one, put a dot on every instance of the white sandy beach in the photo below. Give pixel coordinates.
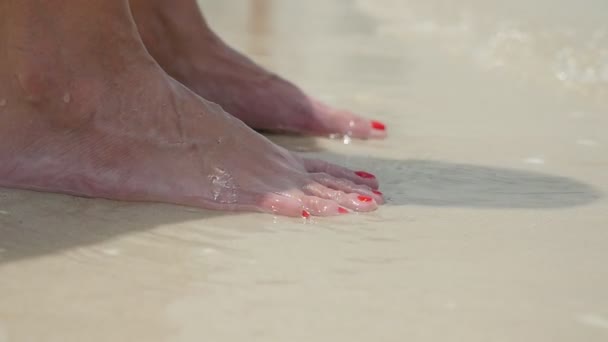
(496, 173)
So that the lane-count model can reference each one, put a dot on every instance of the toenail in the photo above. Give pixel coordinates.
(342, 210)
(305, 214)
(378, 125)
(365, 198)
(377, 192)
(364, 174)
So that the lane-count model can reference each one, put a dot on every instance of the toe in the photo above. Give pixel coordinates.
(347, 123)
(302, 205)
(278, 204)
(352, 201)
(360, 128)
(348, 187)
(318, 206)
(357, 177)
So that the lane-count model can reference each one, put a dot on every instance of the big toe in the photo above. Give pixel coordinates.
(361, 201)
(315, 201)
(357, 177)
(347, 123)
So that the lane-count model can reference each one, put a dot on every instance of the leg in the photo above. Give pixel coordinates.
(85, 110)
(178, 37)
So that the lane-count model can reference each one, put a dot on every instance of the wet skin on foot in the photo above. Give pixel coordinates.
(105, 120)
(184, 45)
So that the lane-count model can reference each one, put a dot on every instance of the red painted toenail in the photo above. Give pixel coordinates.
(342, 210)
(365, 198)
(377, 192)
(364, 174)
(378, 125)
(305, 214)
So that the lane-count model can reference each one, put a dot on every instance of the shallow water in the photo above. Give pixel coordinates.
(560, 41)
(496, 172)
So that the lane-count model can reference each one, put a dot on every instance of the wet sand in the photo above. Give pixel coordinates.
(496, 172)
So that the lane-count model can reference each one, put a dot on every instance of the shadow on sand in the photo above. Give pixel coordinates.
(447, 184)
(35, 224)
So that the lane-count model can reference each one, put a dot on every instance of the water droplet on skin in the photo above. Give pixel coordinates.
(2, 102)
(346, 139)
(223, 186)
(67, 98)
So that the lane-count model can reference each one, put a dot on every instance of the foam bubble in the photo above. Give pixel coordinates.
(593, 320)
(111, 251)
(586, 142)
(534, 161)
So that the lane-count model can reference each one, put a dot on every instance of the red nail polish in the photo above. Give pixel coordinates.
(364, 174)
(305, 214)
(378, 125)
(365, 198)
(342, 210)
(377, 192)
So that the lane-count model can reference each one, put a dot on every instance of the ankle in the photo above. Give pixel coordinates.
(66, 31)
(47, 52)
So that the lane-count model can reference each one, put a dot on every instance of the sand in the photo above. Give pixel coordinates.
(496, 170)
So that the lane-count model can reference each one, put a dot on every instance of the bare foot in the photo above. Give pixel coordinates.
(92, 114)
(179, 39)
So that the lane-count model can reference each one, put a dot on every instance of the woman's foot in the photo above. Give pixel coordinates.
(88, 112)
(177, 36)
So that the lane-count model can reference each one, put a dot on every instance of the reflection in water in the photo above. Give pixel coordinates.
(259, 25)
(259, 16)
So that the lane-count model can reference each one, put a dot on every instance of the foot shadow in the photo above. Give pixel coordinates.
(36, 224)
(446, 184)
